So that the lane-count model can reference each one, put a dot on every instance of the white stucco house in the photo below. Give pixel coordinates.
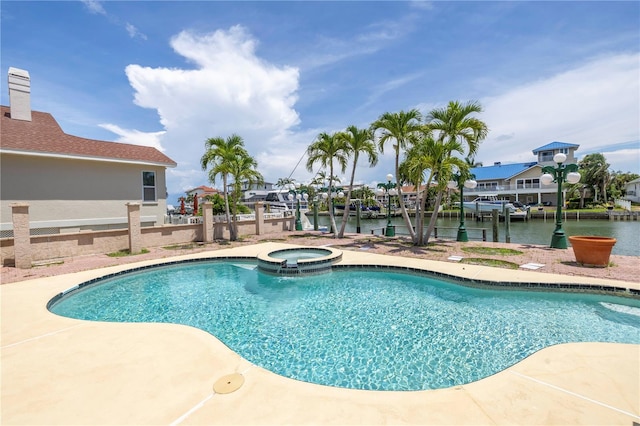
(72, 183)
(632, 191)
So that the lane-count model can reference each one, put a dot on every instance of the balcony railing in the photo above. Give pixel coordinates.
(513, 188)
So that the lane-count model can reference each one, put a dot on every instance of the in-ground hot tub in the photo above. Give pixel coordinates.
(299, 260)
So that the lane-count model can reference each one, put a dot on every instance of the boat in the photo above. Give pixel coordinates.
(487, 203)
(365, 211)
(520, 211)
(278, 201)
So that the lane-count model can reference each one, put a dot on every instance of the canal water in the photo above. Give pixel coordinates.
(534, 231)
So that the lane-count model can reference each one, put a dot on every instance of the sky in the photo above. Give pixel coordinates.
(172, 74)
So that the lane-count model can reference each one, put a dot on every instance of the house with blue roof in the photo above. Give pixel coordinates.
(521, 181)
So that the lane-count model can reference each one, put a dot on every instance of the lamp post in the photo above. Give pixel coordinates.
(559, 174)
(389, 188)
(460, 184)
(294, 193)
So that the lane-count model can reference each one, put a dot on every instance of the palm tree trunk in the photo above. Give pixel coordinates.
(332, 218)
(434, 216)
(423, 209)
(347, 205)
(403, 209)
(419, 220)
(226, 207)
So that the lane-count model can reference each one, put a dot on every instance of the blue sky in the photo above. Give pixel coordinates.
(171, 74)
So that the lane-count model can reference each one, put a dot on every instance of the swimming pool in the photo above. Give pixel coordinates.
(358, 329)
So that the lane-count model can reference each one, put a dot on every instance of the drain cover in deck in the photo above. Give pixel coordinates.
(229, 383)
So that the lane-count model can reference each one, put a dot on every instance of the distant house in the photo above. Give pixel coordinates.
(254, 192)
(632, 191)
(202, 191)
(72, 183)
(521, 181)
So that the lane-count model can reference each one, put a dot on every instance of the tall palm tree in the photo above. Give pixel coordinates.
(357, 141)
(454, 124)
(399, 128)
(243, 169)
(219, 155)
(324, 150)
(434, 157)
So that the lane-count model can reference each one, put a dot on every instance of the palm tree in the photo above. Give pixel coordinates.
(399, 128)
(243, 169)
(220, 155)
(284, 182)
(357, 141)
(453, 122)
(428, 154)
(324, 150)
(596, 173)
(454, 125)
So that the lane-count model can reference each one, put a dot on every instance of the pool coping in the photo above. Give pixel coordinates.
(61, 370)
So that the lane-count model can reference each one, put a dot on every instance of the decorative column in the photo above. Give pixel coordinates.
(135, 236)
(21, 235)
(259, 209)
(207, 222)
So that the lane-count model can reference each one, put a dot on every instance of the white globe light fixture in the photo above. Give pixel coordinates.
(573, 177)
(559, 158)
(470, 184)
(546, 179)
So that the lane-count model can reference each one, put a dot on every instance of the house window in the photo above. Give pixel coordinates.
(148, 186)
(528, 183)
(487, 186)
(564, 150)
(545, 156)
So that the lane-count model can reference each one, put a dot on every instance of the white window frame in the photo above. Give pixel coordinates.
(147, 187)
(487, 186)
(528, 183)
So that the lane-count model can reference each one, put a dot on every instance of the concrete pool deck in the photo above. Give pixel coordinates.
(58, 370)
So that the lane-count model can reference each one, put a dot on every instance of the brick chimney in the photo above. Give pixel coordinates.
(19, 94)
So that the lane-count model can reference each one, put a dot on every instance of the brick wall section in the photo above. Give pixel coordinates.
(135, 239)
(21, 235)
(49, 247)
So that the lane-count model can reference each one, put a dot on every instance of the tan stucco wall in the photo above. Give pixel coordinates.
(49, 247)
(66, 189)
(535, 172)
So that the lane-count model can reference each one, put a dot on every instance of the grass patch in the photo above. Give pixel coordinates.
(125, 252)
(181, 246)
(492, 251)
(496, 263)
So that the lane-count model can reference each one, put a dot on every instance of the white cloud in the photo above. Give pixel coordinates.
(230, 90)
(133, 31)
(136, 137)
(94, 7)
(594, 105)
(624, 160)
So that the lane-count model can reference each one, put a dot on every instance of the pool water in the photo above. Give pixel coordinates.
(297, 254)
(358, 329)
